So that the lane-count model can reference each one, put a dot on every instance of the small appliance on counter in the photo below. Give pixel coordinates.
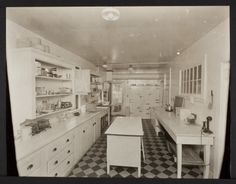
(40, 126)
(192, 118)
(169, 108)
(65, 105)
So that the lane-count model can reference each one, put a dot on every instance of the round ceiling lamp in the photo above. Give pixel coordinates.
(110, 14)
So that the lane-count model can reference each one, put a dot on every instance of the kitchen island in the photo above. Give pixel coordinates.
(124, 143)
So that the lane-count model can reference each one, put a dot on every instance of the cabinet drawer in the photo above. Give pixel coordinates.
(67, 139)
(59, 158)
(28, 165)
(56, 146)
(63, 168)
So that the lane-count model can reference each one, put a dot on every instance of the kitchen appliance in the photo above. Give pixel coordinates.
(65, 105)
(178, 102)
(192, 118)
(106, 93)
(168, 108)
(40, 126)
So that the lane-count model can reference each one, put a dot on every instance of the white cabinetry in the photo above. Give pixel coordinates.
(97, 128)
(82, 81)
(31, 165)
(84, 138)
(59, 156)
(37, 80)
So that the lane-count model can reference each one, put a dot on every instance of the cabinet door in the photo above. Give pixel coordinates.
(82, 81)
(89, 134)
(97, 128)
(80, 142)
(86, 80)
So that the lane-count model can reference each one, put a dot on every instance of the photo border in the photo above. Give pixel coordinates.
(6, 132)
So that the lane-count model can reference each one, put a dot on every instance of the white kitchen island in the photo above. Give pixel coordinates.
(124, 138)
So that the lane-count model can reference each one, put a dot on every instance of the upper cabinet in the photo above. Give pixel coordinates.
(193, 81)
(40, 84)
(82, 81)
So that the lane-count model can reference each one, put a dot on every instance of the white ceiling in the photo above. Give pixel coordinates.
(142, 34)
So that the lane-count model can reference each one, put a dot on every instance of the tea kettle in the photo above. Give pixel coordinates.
(169, 108)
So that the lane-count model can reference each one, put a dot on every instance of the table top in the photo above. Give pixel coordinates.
(128, 126)
(178, 127)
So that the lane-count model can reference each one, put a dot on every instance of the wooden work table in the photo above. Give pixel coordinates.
(184, 133)
(124, 143)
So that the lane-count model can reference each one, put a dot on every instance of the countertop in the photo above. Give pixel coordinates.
(130, 126)
(34, 143)
(178, 127)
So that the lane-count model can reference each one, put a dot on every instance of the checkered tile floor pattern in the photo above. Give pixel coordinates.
(159, 162)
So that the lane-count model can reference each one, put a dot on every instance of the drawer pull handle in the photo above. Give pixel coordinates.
(55, 174)
(68, 162)
(56, 162)
(68, 151)
(30, 166)
(54, 149)
(67, 140)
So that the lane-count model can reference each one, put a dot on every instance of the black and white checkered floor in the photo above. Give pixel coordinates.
(159, 162)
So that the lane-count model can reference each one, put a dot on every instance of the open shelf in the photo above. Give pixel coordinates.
(51, 78)
(56, 95)
(54, 112)
(189, 156)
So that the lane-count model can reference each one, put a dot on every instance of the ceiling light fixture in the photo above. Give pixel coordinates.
(110, 14)
(178, 53)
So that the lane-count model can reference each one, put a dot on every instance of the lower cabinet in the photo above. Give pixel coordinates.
(31, 165)
(64, 168)
(97, 128)
(58, 158)
(84, 138)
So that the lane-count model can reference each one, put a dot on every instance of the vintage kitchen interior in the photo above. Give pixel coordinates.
(124, 92)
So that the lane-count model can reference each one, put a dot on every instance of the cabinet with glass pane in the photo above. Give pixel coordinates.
(192, 80)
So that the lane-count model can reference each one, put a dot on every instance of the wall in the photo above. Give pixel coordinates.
(215, 47)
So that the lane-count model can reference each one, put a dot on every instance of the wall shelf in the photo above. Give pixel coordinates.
(189, 156)
(56, 95)
(54, 112)
(51, 78)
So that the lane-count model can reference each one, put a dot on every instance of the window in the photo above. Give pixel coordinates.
(191, 80)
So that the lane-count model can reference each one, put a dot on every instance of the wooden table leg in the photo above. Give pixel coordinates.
(179, 160)
(206, 161)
